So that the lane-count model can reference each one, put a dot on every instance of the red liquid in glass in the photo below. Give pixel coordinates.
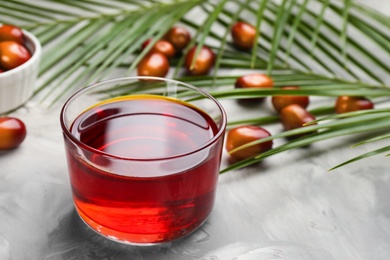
(143, 200)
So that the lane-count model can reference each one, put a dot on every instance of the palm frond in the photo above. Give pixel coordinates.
(311, 44)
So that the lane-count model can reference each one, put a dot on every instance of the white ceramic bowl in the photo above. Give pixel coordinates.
(17, 85)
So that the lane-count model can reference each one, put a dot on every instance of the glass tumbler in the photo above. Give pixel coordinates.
(143, 157)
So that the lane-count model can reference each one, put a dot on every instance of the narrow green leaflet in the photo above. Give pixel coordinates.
(363, 156)
(294, 28)
(374, 139)
(343, 38)
(319, 21)
(259, 19)
(281, 19)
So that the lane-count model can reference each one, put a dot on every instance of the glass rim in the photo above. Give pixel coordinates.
(78, 93)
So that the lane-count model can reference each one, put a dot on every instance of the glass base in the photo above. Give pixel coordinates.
(133, 239)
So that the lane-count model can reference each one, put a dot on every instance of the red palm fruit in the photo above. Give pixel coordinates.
(346, 104)
(12, 55)
(154, 64)
(294, 116)
(280, 102)
(243, 35)
(11, 33)
(161, 46)
(12, 132)
(203, 63)
(241, 135)
(255, 80)
(179, 37)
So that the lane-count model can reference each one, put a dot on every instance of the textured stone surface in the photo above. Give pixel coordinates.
(289, 207)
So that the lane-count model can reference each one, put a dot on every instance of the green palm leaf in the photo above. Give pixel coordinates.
(298, 44)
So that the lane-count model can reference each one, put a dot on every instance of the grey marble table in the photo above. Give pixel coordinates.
(289, 207)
